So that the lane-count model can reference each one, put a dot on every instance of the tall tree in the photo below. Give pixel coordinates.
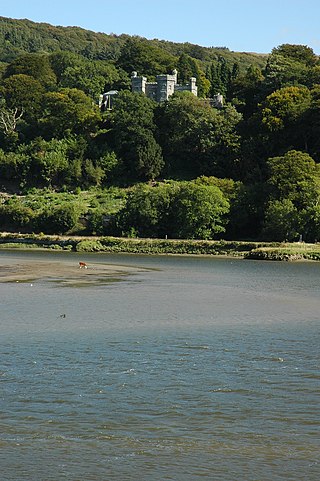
(36, 66)
(245, 90)
(311, 127)
(132, 135)
(283, 115)
(294, 176)
(138, 55)
(68, 111)
(219, 75)
(282, 221)
(293, 208)
(92, 77)
(301, 53)
(189, 67)
(201, 140)
(25, 94)
(146, 212)
(285, 68)
(199, 211)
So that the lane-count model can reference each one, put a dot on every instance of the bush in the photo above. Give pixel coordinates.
(184, 210)
(16, 216)
(89, 246)
(96, 222)
(59, 220)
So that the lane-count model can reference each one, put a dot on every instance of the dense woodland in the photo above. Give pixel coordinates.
(180, 169)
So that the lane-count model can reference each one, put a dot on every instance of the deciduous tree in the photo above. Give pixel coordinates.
(199, 211)
(68, 111)
(132, 135)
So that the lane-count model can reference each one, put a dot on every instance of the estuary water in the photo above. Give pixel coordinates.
(161, 368)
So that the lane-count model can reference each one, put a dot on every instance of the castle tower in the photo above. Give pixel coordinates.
(165, 86)
(175, 74)
(192, 86)
(138, 84)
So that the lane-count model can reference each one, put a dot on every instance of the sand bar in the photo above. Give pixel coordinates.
(68, 273)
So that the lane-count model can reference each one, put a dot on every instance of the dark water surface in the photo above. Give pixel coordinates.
(192, 369)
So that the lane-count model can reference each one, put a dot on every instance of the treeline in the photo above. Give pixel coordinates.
(24, 36)
(247, 171)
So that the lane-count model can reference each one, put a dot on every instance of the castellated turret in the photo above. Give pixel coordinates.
(138, 84)
(165, 86)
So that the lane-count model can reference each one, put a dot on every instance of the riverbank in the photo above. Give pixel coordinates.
(248, 250)
(286, 252)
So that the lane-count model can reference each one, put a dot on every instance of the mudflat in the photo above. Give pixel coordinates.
(62, 272)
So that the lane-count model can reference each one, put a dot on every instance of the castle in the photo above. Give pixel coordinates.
(160, 91)
(164, 86)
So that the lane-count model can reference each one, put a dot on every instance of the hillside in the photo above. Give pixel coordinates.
(180, 166)
(25, 36)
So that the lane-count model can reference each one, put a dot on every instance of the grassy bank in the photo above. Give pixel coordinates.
(286, 252)
(126, 245)
(248, 250)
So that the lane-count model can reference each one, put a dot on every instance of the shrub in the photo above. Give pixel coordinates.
(59, 220)
(17, 216)
(89, 246)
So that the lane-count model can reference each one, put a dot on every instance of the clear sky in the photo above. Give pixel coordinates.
(240, 25)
